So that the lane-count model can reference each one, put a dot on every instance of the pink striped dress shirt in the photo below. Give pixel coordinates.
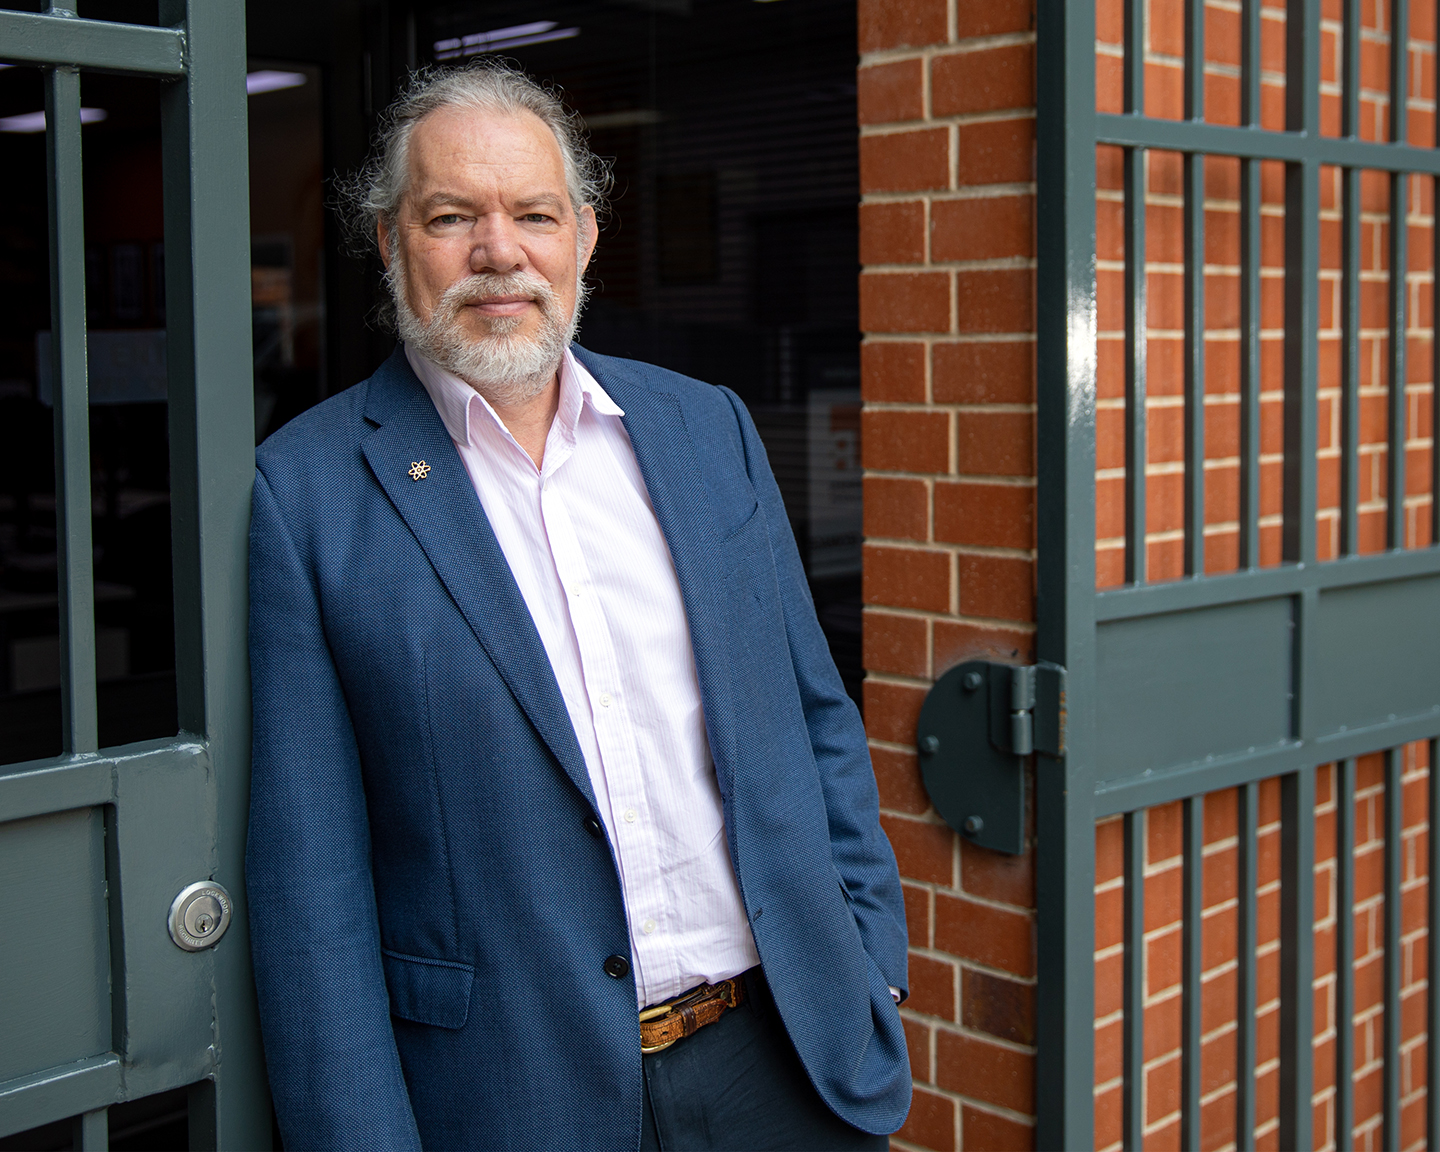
(582, 540)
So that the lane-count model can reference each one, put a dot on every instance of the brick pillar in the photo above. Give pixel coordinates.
(946, 97)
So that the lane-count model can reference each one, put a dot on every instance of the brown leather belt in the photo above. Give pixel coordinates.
(664, 1024)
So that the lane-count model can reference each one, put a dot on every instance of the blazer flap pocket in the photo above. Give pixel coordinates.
(428, 991)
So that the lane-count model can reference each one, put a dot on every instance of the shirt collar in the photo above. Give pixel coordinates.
(458, 403)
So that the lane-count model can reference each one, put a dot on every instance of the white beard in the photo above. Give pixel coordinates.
(503, 366)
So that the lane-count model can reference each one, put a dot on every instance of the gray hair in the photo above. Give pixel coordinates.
(373, 195)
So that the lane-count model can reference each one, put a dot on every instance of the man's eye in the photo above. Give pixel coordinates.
(448, 218)
(536, 218)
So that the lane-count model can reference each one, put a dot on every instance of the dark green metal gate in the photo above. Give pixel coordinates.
(97, 1004)
(1180, 688)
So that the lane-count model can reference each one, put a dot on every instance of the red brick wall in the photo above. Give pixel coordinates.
(946, 301)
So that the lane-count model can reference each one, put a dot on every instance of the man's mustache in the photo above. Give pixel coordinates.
(485, 286)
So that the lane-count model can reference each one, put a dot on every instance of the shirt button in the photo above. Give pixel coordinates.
(631, 815)
(604, 700)
(648, 927)
(617, 966)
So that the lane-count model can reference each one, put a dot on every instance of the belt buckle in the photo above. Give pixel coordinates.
(657, 1013)
(670, 1008)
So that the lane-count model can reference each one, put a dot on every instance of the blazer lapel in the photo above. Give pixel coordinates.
(445, 516)
(670, 466)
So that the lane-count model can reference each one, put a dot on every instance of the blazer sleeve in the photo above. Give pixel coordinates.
(858, 845)
(324, 1010)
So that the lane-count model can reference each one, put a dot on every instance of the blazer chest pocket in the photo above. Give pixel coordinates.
(428, 991)
(733, 502)
(750, 518)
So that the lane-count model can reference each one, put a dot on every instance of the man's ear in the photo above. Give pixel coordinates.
(589, 234)
(382, 236)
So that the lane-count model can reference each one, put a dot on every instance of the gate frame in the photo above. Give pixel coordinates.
(1069, 796)
(199, 50)
(1065, 351)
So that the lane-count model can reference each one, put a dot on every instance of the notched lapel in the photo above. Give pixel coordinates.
(445, 516)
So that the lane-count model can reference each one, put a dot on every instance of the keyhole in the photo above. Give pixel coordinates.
(202, 924)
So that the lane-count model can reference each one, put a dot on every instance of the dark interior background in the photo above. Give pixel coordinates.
(729, 253)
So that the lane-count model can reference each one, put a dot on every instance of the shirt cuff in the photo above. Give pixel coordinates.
(895, 992)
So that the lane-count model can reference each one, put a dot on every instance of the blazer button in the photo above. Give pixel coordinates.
(592, 826)
(617, 966)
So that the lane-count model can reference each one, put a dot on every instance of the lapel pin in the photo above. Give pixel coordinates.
(419, 470)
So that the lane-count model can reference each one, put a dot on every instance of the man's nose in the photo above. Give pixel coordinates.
(495, 245)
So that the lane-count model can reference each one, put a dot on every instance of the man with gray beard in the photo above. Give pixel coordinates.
(563, 829)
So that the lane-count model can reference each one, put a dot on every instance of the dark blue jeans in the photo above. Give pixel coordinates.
(738, 1084)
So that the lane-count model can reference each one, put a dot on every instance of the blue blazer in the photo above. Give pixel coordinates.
(430, 915)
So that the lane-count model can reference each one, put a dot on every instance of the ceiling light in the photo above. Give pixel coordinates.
(267, 80)
(514, 36)
(35, 121)
(508, 33)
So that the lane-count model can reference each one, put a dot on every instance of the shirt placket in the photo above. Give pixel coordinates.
(621, 789)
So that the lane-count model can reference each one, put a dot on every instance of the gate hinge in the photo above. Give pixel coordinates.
(977, 725)
(1027, 708)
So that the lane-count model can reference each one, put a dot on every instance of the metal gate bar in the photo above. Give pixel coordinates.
(1350, 312)
(1432, 953)
(1194, 248)
(1065, 602)
(1192, 946)
(1302, 268)
(1297, 956)
(1194, 258)
(1250, 382)
(1265, 584)
(1395, 415)
(74, 549)
(1350, 292)
(92, 45)
(1136, 185)
(212, 468)
(1134, 978)
(1344, 952)
(1394, 768)
(92, 1131)
(1136, 438)
(1399, 252)
(1250, 254)
(1247, 940)
(1263, 144)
